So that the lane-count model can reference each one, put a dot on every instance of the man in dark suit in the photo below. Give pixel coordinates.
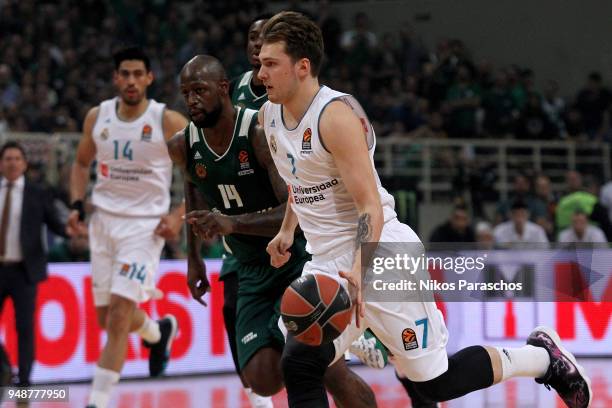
(24, 208)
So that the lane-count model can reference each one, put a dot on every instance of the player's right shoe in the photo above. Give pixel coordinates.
(564, 374)
(370, 350)
(160, 351)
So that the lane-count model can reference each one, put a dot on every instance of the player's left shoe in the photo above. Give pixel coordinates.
(160, 351)
(370, 350)
(564, 374)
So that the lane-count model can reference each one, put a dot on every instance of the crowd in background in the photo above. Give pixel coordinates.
(534, 216)
(55, 64)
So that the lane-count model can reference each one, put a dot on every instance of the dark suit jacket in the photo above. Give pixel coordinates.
(38, 209)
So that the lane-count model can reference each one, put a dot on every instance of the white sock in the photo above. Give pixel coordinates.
(257, 401)
(149, 330)
(527, 361)
(103, 381)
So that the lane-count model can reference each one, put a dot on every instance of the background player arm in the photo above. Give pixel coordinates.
(79, 174)
(342, 133)
(170, 225)
(196, 270)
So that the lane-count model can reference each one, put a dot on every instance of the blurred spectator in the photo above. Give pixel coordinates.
(461, 104)
(359, 42)
(521, 191)
(500, 108)
(587, 201)
(331, 28)
(544, 194)
(581, 232)
(605, 198)
(573, 181)
(433, 129)
(554, 106)
(519, 232)
(75, 249)
(593, 102)
(484, 236)
(456, 229)
(9, 90)
(534, 122)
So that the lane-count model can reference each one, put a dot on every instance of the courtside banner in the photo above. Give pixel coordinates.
(69, 340)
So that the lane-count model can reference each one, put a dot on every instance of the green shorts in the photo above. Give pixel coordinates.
(230, 265)
(260, 289)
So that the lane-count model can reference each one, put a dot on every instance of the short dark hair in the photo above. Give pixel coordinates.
(518, 204)
(302, 37)
(131, 53)
(11, 144)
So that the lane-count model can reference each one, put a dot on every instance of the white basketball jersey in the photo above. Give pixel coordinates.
(318, 196)
(134, 170)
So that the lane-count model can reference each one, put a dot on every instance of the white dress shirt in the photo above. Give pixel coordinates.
(506, 235)
(13, 243)
(592, 234)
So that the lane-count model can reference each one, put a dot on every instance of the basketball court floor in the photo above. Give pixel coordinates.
(224, 391)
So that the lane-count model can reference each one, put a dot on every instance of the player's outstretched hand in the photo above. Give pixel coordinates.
(206, 224)
(169, 226)
(197, 280)
(278, 248)
(354, 285)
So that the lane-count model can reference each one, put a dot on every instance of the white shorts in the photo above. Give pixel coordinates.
(124, 256)
(414, 332)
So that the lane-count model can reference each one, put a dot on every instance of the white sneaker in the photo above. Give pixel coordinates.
(257, 401)
(370, 350)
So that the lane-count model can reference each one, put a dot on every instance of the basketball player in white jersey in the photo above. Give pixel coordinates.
(127, 137)
(322, 144)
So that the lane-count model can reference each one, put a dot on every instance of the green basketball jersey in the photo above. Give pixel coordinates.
(243, 95)
(233, 183)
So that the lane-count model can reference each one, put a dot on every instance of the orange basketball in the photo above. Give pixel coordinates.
(315, 309)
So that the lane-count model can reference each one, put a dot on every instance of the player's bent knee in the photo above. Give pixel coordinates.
(263, 372)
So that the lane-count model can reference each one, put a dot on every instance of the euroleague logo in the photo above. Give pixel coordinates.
(147, 131)
(307, 141)
(409, 339)
(243, 156)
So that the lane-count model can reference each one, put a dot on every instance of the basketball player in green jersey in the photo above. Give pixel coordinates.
(233, 189)
(246, 91)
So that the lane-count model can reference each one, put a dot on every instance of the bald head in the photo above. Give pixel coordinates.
(203, 67)
(205, 88)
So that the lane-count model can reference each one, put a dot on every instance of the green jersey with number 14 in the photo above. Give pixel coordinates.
(233, 183)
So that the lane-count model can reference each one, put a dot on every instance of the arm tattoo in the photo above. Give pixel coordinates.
(364, 230)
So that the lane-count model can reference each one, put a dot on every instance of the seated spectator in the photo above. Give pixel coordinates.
(581, 232)
(544, 194)
(534, 123)
(484, 235)
(586, 200)
(461, 104)
(521, 191)
(554, 106)
(593, 102)
(456, 229)
(500, 108)
(519, 232)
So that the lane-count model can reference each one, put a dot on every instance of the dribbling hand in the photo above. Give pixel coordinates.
(278, 248)
(354, 286)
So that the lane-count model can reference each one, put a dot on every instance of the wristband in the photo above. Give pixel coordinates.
(78, 205)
